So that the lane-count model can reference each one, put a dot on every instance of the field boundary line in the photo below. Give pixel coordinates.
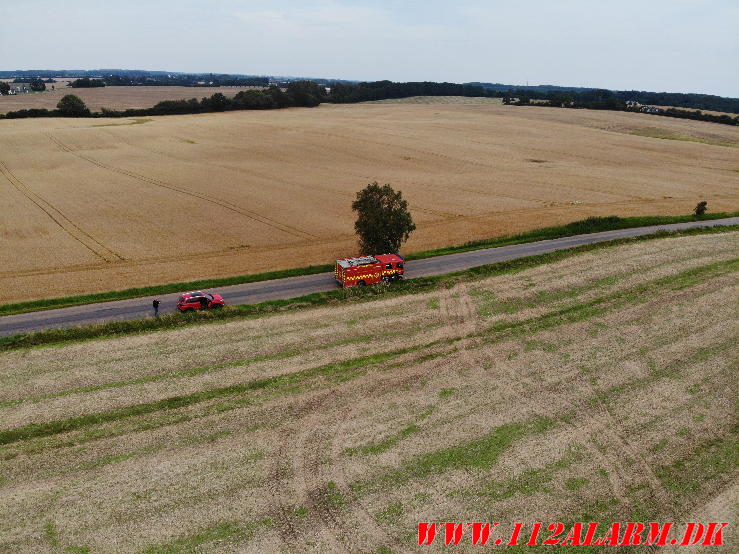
(294, 231)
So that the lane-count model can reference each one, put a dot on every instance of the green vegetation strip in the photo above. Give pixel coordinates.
(586, 226)
(409, 286)
(710, 461)
(219, 533)
(481, 453)
(215, 367)
(175, 402)
(582, 227)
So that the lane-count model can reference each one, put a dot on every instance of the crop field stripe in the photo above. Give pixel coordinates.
(294, 231)
(66, 224)
(568, 314)
(174, 402)
(213, 367)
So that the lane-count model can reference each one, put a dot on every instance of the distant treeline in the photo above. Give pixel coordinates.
(181, 81)
(611, 99)
(593, 99)
(676, 99)
(342, 93)
(126, 77)
(601, 99)
(184, 81)
(86, 82)
(309, 94)
(297, 94)
(32, 79)
(139, 77)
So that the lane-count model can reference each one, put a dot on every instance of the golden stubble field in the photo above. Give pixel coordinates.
(93, 205)
(598, 388)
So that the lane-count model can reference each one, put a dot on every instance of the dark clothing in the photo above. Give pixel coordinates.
(155, 304)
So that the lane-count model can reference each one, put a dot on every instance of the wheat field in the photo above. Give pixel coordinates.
(93, 204)
(600, 387)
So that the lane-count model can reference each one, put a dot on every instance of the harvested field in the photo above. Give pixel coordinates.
(112, 98)
(93, 205)
(600, 388)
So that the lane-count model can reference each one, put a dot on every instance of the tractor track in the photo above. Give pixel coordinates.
(65, 223)
(264, 220)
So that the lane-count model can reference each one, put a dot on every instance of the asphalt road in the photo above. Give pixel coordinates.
(292, 287)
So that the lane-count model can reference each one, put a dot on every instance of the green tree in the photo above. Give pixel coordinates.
(306, 93)
(383, 220)
(72, 106)
(38, 85)
(4, 88)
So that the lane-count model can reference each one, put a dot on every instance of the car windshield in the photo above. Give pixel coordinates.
(209, 296)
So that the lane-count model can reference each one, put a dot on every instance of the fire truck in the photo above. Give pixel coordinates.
(368, 270)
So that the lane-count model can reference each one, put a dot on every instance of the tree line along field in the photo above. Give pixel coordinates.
(112, 98)
(95, 205)
(600, 387)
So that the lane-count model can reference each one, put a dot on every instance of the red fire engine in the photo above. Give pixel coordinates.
(368, 270)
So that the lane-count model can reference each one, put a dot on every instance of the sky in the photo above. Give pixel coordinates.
(656, 45)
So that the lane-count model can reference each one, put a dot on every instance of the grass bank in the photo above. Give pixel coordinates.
(585, 226)
(410, 286)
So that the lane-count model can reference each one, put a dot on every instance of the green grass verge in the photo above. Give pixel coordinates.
(410, 286)
(581, 227)
(585, 226)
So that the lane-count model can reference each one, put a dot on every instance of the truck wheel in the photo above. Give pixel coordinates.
(362, 284)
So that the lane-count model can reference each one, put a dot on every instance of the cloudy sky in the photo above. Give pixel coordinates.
(670, 45)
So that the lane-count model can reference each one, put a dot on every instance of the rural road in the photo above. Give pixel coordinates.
(291, 287)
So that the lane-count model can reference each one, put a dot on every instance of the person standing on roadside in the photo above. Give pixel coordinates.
(155, 304)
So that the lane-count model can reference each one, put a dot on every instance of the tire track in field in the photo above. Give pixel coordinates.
(254, 216)
(69, 226)
(308, 461)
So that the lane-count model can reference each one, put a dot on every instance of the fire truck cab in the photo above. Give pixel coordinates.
(368, 270)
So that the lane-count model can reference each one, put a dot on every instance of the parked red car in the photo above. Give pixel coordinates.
(198, 300)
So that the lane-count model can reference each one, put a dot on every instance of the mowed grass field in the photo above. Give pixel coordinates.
(601, 387)
(112, 98)
(98, 204)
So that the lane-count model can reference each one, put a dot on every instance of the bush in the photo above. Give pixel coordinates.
(700, 208)
(72, 106)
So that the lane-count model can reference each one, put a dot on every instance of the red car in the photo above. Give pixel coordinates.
(198, 300)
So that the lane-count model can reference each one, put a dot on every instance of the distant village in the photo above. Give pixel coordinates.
(634, 105)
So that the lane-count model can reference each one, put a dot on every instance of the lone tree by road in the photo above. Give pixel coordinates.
(72, 106)
(700, 208)
(383, 220)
